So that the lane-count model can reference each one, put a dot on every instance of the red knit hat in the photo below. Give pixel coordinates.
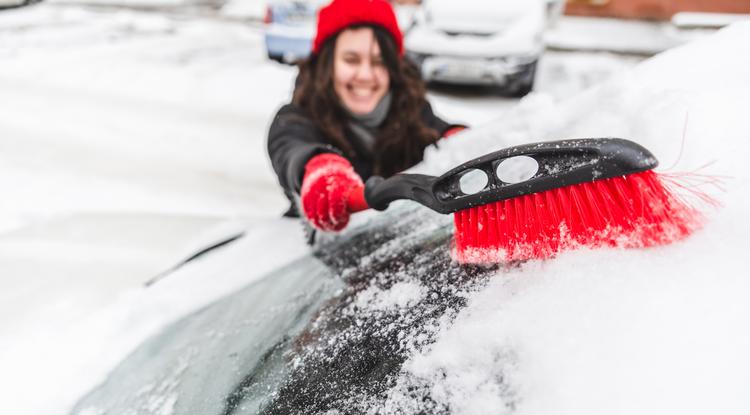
(340, 14)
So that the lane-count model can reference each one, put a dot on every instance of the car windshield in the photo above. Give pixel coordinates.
(328, 332)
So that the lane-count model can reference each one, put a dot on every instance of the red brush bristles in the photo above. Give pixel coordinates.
(636, 210)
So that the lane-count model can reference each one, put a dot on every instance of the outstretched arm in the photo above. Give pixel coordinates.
(292, 141)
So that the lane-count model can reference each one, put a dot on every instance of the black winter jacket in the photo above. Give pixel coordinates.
(293, 139)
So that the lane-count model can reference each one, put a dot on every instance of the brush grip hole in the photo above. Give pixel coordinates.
(473, 181)
(517, 169)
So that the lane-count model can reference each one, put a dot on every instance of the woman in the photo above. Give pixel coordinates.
(358, 109)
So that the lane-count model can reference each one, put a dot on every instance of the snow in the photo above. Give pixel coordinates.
(483, 16)
(130, 140)
(157, 114)
(249, 9)
(629, 331)
(615, 35)
(399, 295)
(704, 20)
(81, 327)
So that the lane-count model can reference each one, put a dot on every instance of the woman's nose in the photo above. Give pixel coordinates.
(366, 71)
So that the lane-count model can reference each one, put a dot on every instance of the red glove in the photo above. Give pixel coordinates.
(328, 181)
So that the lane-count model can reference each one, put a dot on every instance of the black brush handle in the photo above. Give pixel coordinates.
(380, 192)
(560, 163)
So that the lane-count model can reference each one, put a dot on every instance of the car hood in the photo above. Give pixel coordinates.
(479, 16)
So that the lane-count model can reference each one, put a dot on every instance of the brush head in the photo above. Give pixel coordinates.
(635, 210)
(535, 200)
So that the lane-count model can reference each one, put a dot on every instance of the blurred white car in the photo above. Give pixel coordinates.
(484, 42)
(290, 27)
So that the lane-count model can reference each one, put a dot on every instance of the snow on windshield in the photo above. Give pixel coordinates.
(660, 330)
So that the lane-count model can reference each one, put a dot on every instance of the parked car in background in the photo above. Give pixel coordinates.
(290, 27)
(481, 42)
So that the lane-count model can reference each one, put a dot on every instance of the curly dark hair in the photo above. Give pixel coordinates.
(402, 138)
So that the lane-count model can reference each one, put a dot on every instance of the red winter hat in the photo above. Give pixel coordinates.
(340, 14)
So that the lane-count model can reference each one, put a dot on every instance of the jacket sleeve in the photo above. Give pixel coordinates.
(437, 123)
(292, 141)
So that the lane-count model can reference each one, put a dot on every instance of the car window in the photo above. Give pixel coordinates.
(327, 333)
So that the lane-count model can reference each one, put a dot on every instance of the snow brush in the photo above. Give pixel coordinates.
(535, 200)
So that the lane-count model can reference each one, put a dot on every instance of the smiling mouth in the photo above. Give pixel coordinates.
(360, 92)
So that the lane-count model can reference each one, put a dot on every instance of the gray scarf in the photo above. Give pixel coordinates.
(365, 125)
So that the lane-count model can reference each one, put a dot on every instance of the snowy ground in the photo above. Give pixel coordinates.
(130, 139)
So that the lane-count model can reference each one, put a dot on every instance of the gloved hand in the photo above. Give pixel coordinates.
(328, 181)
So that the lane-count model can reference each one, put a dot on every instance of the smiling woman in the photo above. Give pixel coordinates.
(360, 78)
(359, 109)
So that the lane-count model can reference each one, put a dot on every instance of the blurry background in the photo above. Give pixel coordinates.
(132, 134)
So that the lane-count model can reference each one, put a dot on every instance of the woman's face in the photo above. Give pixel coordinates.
(360, 77)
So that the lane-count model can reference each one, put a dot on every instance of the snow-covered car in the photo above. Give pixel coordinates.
(485, 42)
(290, 27)
(381, 320)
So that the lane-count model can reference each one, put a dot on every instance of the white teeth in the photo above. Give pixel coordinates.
(362, 92)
